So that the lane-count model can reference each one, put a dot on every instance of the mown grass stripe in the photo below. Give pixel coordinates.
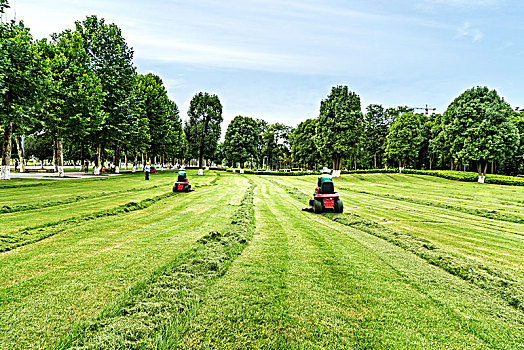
(40, 232)
(471, 271)
(25, 207)
(486, 213)
(154, 313)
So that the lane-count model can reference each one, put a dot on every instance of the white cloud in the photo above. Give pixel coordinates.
(466, 31)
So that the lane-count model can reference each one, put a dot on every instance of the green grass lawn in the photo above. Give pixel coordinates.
(414, 262)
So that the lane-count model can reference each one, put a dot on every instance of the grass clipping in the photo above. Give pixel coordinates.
(154, 313)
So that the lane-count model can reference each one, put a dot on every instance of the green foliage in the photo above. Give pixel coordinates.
(480, 129)
(304, 150)
(111, 59)
(376, 128)
(404, 138)
(469, 176)
(74, 95)
(242, 138)
(203, 127)
(4, 4)
(156, 127)
(339, 125)
(22, 81)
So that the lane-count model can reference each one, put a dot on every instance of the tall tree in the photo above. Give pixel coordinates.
(112, 60)
(404, 138)
(481, 129)
(304, 151)
(4, 4)
(203, 128)
(339, 125)
(75, 95)
(376, 128)
(22, 82)
(242, 138)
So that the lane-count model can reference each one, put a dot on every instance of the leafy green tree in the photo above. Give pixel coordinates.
(242, 138)
(4, 4)
(480, 128)
(376, 129)
(518, 121)
(22, 82)
(304, 151)
(75, 95)
(203, 128)
(112, 60)
(404, 138)
(339, 125)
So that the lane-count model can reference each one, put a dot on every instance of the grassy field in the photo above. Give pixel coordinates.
(413, 262)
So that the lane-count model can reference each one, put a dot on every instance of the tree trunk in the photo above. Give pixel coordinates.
(98, 159)
(201, 156)
(116, 160)
(20, 152)
(375, 161)
(55, 154)
(6, 152)
(59, 158)
(481, 169)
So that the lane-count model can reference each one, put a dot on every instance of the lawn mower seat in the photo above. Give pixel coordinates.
(327, 187)
(181, 178)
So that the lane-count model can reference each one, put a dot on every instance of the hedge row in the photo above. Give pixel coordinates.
(469, 176)
(447, 174)
(310, 172)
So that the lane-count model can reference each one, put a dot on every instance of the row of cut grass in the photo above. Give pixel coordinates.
(47, 286)
(154, 311)
(494, 243)
(309, 282)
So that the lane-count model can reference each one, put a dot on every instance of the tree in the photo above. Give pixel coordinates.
(303, 148)
(75, 95)
(339, 125)
(22, 81)
(480, 128)
(4, 4)
(203, 128)
(242, 138)
(111, 59)
(376, 128)
(404, 138)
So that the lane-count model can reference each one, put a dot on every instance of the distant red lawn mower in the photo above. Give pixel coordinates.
(182, 183)
(325, 198)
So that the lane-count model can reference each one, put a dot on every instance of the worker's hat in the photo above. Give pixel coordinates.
(325, 170)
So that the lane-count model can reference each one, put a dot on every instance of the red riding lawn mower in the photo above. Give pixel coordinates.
(182, 184)
(325, 198)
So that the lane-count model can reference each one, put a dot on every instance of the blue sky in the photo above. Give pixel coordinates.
(277, 59)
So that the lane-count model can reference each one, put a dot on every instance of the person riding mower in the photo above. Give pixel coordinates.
(182, 183)
(325, 197)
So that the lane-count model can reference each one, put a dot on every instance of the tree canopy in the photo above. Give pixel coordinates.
(241, 140)
(339, 125)
(479, 125)
(203, 127)
(404, 138)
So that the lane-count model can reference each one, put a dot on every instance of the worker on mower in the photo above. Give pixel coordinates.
(324, 177)
(182, 177)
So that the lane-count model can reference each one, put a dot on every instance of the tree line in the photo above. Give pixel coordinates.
(79, 93)
(478, 130)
